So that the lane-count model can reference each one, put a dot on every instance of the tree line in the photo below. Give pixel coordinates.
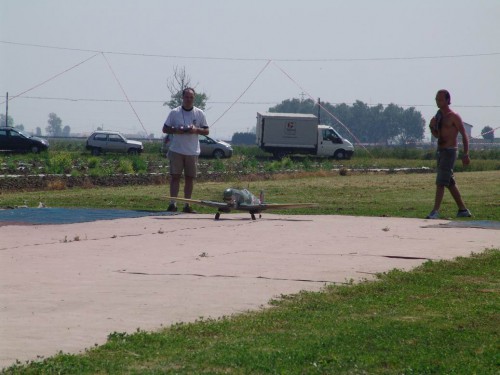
(54, 126)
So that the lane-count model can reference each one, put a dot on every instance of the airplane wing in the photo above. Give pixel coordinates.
(201, 202)
(273, 206)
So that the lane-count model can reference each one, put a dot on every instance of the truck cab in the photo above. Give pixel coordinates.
(330, 143)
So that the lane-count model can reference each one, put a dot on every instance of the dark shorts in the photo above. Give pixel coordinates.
(446, 158)
(180, 162)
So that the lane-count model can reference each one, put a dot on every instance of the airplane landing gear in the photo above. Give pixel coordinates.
(253, 215)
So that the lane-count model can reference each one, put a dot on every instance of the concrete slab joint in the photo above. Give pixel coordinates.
(66, 287)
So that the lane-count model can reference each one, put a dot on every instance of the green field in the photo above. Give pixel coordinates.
(371, 194)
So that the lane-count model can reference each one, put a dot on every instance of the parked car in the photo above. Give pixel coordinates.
(208, 147)
(14, 140)
(109, 141)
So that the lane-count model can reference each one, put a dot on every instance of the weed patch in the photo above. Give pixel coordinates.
(125, 166)
(139, 165)
(60, 163)
(56, 184)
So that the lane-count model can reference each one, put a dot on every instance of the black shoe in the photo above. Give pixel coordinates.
(464, 213)
(188, 209)
(172, 208)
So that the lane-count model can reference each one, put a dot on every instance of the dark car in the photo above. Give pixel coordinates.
(13, 140)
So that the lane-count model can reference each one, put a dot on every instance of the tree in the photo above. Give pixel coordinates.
(55, 125)
(488, 133)
(391, 119)
(10, 120)
(295, 106)
(66, 131)
(411, 126)
(177, 83)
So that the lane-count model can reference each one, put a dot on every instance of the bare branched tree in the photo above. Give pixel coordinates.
(177, 83)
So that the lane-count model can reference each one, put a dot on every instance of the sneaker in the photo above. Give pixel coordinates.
(464, 213)
(172, 207)
(188, 209)
(433, 215)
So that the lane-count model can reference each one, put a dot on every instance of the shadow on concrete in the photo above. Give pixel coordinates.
(481, 224)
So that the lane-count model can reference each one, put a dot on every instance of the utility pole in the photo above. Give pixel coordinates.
(319, 112)
(7, 109)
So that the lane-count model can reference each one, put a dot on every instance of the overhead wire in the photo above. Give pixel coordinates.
(337, 59)
(241, 102)
(133, 101)
(51, 78)
(125, 93)
(243, 93)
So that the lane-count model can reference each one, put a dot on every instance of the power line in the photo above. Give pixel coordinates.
(133, 101)
(226, 58)
(124, 92)
(239, 102)
(243, 93)
(53, 77)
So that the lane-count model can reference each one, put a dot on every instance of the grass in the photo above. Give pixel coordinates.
(441, 318)
(397, 194)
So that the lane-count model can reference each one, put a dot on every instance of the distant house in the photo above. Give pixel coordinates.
(468, 129)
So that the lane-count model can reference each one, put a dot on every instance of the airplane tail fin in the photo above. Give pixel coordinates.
(261, 197)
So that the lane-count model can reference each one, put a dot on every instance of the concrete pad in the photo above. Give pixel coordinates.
(66, 287)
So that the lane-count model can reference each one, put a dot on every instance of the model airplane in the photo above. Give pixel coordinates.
(242, 200)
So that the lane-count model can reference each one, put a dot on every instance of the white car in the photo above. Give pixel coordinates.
(208, 147)
(109, 141)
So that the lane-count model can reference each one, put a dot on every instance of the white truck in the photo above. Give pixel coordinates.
(283, 134)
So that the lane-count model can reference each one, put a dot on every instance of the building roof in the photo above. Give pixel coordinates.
(286, 115)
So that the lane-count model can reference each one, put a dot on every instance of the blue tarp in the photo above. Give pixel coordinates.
(58, 215)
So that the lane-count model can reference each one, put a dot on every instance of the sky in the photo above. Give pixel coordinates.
(85, 60)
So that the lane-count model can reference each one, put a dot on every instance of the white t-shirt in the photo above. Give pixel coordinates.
(186, 144)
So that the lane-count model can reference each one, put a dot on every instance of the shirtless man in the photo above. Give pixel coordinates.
(445, 126)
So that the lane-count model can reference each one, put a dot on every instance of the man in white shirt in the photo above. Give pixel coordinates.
(185, 122)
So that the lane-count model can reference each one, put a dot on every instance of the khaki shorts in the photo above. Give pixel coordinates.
(446, 161)
(180, 162)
